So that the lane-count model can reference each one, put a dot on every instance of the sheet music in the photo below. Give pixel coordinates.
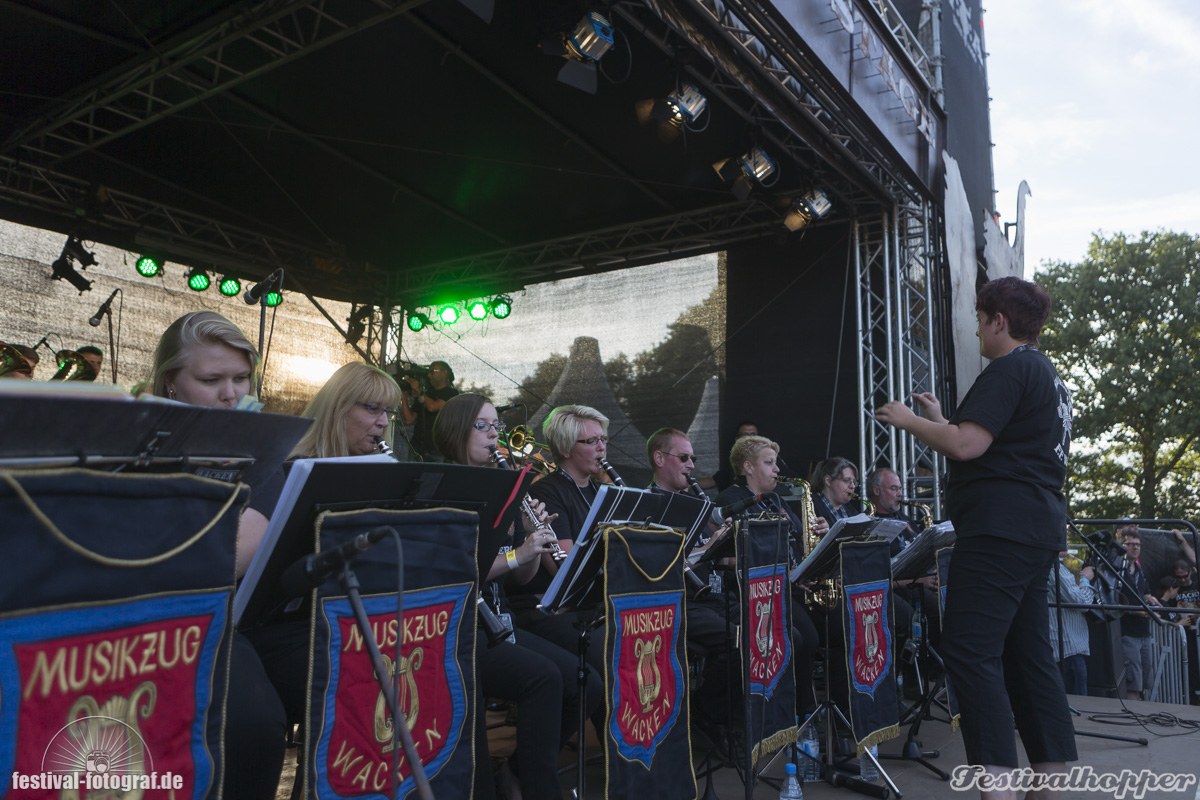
(916, 560)
(818, 564)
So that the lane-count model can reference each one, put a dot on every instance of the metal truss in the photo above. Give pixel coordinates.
(808, 101)
(202, 64)
(895, 261)
(909, 42)
(670, 237)
(201, 241)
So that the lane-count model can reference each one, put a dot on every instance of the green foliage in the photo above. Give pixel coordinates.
(536, 388)
(1125, 335)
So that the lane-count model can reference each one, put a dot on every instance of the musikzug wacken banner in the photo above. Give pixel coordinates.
(867, 624)
(767, 636)
(647, 742)
(350, 741)
(115, 601)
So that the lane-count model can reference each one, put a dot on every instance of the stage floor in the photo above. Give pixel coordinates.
(1171, 732)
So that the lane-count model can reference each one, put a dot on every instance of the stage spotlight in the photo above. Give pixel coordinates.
(477, 310)
(417, 321)
(810, 206)
(230, 287)
(198, 280)
(357, 320)
(273, 298)
(448, 315)
(74, 249)
(741, 174)
(501, 307)
(680, 109)
(63, 270)
(583, 47)
(149, 266)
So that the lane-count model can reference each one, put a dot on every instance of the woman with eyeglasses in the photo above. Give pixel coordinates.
(536, 675)
(203, 359)
(350, 413)
(834, 482)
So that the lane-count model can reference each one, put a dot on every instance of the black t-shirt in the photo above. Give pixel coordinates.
(423, 427)
(1014, 489)
(770, 504)
(1134, 623)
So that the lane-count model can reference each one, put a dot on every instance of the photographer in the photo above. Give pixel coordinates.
(424, 396)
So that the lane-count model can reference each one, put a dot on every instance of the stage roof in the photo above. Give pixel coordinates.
(404, 153)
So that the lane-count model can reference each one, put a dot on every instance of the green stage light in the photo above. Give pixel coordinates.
(417, 321)
(502, 307)
(477, 310)
(272, 299)
(198, 280)
(149, 266)
(448, 315)
(230, 287)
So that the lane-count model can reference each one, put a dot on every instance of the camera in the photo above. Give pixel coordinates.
(406, 370)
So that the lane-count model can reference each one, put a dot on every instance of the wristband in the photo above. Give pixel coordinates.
(510, 556)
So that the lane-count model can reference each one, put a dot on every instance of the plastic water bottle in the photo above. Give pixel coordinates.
(791, 787)
(810, 768)
(866, 767)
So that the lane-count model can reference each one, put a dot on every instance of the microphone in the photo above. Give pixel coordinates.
(509, 407)
(719, 515)
(312, 570)
(100, 312)
(41, 342)
(267, 284)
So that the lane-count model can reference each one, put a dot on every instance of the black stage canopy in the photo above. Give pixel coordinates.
(405, 153)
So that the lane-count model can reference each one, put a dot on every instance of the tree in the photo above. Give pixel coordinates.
(535, 388)
(1125, 334)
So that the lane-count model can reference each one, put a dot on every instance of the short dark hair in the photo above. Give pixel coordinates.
(1023, 303)
(660, 439)
(91, 348)
(449, 369)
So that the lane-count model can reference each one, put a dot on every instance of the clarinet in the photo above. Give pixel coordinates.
(496, 630)
(612, 474)
(383, 447)
(556, 551)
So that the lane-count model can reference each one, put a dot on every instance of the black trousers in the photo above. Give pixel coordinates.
(996, 646)
(255, 726)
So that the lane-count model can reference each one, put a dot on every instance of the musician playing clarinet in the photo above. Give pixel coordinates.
(1006, 447)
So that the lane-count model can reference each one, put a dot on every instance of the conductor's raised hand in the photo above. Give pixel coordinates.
(930, 406)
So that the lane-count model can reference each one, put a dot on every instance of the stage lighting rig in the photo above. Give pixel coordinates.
(582, 47)
(149, 266)
(501, 306)
(230, 287)
(742, 174)
(477, 310)
(810, 206)
(63, 270)
(680, 109)
(198, 280)
(417, 321)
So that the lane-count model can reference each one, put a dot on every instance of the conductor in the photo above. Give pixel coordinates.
(1007, 450)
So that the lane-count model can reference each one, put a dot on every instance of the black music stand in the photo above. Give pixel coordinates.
(823, 563)
(342, 484)
(913, 562)
(575, 586)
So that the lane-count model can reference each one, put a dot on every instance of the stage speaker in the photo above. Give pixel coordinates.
(1106, 663)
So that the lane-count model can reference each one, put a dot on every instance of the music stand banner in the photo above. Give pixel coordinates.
(767, 637)
(350, 727)
(647, 742)
(943, 572)
(867, 623)
(115, 633)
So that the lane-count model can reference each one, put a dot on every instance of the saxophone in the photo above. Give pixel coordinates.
(808, 513)
(923, 510)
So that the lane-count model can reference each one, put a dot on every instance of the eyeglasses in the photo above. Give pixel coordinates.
(592, 440)
(375, 409)
(849, 481)
(684, 457)
(481, 426)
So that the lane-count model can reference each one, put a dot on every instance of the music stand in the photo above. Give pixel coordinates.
(911, 563)
(575, 585)
(823, 563)
(340, 484)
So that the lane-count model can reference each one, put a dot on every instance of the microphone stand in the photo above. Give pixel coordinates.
(112, 348)
(351, 586)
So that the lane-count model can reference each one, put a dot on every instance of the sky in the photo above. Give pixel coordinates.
(1096, 104)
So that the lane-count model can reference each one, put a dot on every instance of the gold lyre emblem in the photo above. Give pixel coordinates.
(108, 739)
(409, 699)
(764, 636)
(870, 635)
(649, 679)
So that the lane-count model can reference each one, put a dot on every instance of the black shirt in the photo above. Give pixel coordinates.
(1014, 489)
(423, 427)
(571, 502)
(1135, 624)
